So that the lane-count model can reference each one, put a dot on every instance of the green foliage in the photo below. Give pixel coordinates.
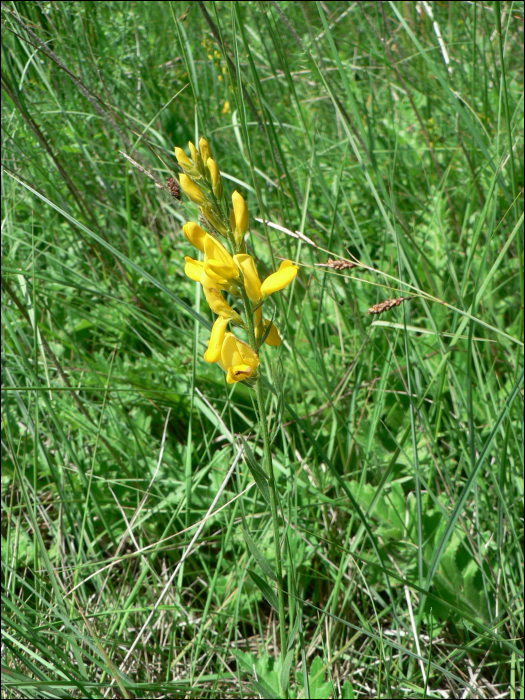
(389, 134)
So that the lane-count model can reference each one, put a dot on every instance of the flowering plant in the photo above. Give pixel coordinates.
(221, 271)
(234, 272)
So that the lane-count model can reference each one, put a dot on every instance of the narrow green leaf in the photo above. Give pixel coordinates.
(265, 589)
(285, 670)
(293, 633)
(259, 476)
(258, 556)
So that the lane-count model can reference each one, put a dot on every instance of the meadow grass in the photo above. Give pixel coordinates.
(386, 138)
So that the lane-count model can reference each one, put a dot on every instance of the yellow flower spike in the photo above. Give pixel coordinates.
(216, 301)
(216, 180)
(194, 235)
(205, 150)
(280, 279)
(235, 355)
(273, 338)
(193, 269)
(238, 373)
(252, 283)
(213, 353)
(240, 211)
(190, 188)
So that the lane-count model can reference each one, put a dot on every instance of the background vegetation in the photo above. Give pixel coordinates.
(388, 133)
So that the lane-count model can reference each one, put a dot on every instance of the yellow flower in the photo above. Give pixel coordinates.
(226, 106)
(252, 283)
(204, 149)
(216, 301)
(280, 279)
(273, 338)
(194, 235)
(237, 359)
(193, 269)
(240, 211)
(216, 180)
(190, 188)
(218, 262)
(213, 353)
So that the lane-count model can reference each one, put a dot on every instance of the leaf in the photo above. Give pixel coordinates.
(293, 633)
(348, 691)
(319, 690)
(259, 476)
(285, 670)
(259, 558)
(263, 690)
(265, 589)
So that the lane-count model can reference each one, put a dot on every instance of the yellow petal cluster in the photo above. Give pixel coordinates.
(221, 271)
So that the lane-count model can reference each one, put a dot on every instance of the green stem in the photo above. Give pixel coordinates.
(261, 417)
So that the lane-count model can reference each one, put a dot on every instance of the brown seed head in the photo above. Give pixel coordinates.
(173, 187)
(385, 306)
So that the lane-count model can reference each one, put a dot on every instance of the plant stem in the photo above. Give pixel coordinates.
(261, 417)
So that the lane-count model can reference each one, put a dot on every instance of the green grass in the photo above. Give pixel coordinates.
(383, 135)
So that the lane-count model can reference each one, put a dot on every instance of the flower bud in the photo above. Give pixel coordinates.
(194, 235)
(190, 188)
(240, 211)
(205, 150)
(195, 156)
(185, 162)
(216, 180)
(214, 221)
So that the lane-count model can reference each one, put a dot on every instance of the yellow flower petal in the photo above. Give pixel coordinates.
(193, 269)
(235, 352)
(194, 235)
(240, 211)
(252, 283)
(213, 353)
(216, 301)
(220, 272)
(190, 188)
(238, 373)
(216, 251)
(280, 279)
(273, 338)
